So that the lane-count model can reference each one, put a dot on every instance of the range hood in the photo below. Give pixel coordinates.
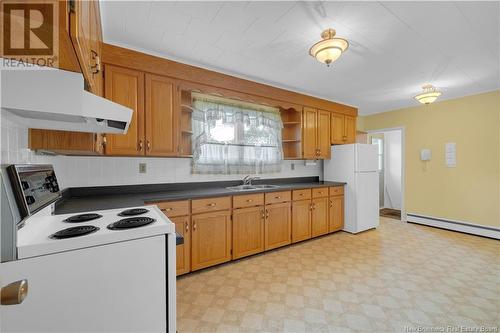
(47, 98)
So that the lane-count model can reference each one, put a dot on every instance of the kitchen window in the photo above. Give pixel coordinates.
(231, 137)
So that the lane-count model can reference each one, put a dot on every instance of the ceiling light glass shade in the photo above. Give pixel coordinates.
(330, 48)
(429, 94)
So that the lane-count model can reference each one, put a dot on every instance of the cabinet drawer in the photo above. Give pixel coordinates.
(173, 208)
(249, 200)
(320, 192)
(210, 204)
(302, 194)
(337, 190)
(275, 197)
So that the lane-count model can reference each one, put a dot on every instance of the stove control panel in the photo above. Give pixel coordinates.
(35, 187)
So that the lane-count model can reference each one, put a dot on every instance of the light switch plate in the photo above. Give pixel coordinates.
(142, 167)
(425, 155)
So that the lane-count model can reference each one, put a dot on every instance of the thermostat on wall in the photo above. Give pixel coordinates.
(425, 155)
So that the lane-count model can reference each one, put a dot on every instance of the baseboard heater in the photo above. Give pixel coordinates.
(468, 228)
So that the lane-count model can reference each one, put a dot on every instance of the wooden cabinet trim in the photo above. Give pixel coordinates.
(148, 63)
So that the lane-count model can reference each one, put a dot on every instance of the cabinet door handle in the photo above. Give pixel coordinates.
(140, 145)
(14, 293)
(249, 200)
(212, 204)
(148, 145)
(267, 214)
(187, 227)
(97, 62)
(331, 203)
(167, 209)
(262, 214)
(194, 226)
(277, 197)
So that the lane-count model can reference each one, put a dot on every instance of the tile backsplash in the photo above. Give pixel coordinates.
(73, 171)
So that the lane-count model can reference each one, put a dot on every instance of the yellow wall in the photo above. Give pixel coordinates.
(470, 192)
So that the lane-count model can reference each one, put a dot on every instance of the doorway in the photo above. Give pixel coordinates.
(390, 167)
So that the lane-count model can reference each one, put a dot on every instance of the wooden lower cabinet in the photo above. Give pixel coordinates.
(210, 239)
(336, 212)
(301, 220)
(319, 217)
(248, 231)
(278, 225)
(183, 227)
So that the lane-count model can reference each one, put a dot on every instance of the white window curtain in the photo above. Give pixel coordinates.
(231, 137)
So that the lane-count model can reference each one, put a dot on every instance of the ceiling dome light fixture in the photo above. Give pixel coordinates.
(330, 48)
(429, 94)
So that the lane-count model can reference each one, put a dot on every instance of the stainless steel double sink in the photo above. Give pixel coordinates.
(241, 188)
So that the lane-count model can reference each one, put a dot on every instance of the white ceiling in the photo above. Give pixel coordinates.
(396, 47)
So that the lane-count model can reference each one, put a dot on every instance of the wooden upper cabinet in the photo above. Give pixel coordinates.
(126, 87)
(309, 145)
(350, 129)
(66, 143)
(316, 134)
(210, 239)
(343, 129)
(278, 225)
(162, 116)
(337, 128)
(80, 41)
(248, 231)
(86, 35)
(323, 134)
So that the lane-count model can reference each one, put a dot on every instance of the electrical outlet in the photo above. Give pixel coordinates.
(292, 166)
(142, 167)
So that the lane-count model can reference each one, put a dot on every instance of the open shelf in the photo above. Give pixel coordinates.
(186, 126)
(291, 133)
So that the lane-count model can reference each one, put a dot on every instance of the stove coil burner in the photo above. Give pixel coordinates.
(82, 218)
(131, 222)
(133, 212)
(74, 232)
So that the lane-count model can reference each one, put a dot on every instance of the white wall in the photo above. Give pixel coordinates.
(98, 171)
(392, 177)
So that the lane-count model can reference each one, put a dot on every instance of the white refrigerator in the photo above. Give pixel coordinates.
(357, 165)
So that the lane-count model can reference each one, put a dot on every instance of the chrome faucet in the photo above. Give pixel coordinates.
(247, 180)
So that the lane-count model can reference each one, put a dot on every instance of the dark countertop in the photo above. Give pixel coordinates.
(109, 197)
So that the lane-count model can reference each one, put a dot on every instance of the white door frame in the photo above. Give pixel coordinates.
(403, 164)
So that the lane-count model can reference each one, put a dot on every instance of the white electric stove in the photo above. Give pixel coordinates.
(44, 233)
(97, 271)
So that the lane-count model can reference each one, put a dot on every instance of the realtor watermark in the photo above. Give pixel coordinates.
(451, 329)
(30, 33)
